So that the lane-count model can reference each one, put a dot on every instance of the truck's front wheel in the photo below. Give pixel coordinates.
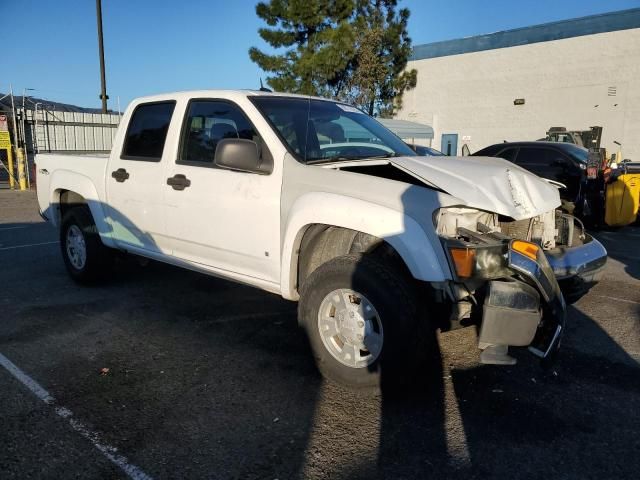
(85, 257)
(364, 323)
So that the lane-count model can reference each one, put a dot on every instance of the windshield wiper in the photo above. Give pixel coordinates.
(386, 155)
(347, 158)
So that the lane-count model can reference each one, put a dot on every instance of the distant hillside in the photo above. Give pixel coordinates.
(5, 104)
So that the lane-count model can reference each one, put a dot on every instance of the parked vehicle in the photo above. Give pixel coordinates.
(379, 246)
(563, 163)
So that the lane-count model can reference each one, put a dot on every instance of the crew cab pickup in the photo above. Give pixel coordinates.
(316, 201)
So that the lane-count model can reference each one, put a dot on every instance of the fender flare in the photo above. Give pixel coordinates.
(416, 248)
(81, 185)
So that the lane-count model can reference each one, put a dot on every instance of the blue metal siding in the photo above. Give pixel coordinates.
(576, 27)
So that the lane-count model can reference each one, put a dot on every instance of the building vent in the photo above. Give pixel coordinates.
(611, 91)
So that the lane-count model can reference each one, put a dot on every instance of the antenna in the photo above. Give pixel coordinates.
(263, 88)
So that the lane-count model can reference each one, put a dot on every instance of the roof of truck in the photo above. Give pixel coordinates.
(186, 94)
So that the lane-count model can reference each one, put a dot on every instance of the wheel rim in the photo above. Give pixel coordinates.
(350, 328)
(76, 247)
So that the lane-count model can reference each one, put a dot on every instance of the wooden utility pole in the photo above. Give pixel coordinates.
(103, 91)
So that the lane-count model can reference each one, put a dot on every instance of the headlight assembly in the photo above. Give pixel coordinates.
(478, 261)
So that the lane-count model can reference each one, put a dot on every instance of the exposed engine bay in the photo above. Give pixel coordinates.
(550, 230)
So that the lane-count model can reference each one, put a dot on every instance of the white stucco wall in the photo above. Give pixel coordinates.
(564, 83)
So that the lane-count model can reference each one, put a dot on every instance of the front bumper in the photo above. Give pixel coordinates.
(585, 261)
(525, 311)
(578, 268)
(554, 312)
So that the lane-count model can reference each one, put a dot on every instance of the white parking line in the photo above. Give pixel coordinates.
(27, 245)
(11, 228)
(108, 451)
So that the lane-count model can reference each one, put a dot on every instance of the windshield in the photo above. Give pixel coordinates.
(317, 131)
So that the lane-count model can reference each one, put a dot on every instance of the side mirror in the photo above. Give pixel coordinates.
(242, 155)
(465, 150)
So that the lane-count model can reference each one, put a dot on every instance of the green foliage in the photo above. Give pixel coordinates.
(353, 50)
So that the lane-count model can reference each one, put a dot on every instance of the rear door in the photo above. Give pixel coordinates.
(135, 180)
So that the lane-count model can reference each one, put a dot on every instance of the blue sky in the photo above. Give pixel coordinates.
(154, 46)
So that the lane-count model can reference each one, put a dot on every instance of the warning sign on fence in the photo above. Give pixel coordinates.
(5, 140)
(4, 125)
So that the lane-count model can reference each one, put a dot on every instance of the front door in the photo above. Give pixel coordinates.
(227, 220)
(449, 144)
(135, 178)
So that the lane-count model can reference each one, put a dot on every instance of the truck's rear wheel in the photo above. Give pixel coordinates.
(85, 257)
(364, 323)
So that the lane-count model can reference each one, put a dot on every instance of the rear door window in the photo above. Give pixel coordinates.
(534, 159)
(508, 154)
(147, 131)
(545, 162)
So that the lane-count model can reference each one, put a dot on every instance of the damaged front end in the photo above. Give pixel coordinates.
(503, 281)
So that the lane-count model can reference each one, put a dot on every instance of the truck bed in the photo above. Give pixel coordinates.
(50, 165)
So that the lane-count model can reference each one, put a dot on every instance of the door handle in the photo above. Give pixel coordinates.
(120, 175)
(178, 182)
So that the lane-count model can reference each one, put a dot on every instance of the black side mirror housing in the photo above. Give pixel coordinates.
(242, 155)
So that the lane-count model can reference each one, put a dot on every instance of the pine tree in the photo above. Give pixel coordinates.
(353, 50)
(318, 42)
(379, 76)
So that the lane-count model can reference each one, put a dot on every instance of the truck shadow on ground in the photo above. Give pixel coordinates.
(211, 379)
(237, 369)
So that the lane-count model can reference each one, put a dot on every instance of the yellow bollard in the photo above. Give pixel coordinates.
(22, 179)
(10, 167)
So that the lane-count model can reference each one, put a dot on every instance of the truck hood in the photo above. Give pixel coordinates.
(486, 183)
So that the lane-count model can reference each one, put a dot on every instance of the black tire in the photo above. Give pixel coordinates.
(97, 262)
(409, 351)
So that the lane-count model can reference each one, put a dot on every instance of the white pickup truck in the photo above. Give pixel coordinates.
(313, 200)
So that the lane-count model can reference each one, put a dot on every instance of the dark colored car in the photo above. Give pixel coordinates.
(560, 162)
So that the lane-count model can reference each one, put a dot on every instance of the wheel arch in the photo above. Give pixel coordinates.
(69, 189)
(344, 225)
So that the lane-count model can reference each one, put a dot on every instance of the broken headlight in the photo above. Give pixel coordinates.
(478, 261)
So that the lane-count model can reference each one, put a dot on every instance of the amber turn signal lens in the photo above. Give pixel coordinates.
(463, 259)
(525, 248)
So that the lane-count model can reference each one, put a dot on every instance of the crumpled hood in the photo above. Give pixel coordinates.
(486, 183)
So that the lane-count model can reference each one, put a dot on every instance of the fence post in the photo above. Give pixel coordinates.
(12, 183)
(22, 179)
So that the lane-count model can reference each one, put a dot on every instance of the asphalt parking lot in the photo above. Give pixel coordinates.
(208, 379)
